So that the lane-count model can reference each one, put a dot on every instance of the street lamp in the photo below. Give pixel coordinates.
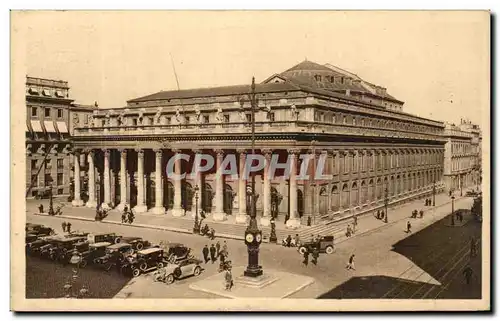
(434, 193)
(51, 201)
(253, 236)
(452, 210)
(196, 228)
(386, 202)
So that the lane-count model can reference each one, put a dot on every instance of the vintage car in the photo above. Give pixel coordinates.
(182, 269)
(38, 229)
(175, 252)
(325, 245)
(35, 246)
(104, 237)
(94, 251)
(471, 193)
(30, 238)
(137, 242)
(115, 255)
(61, 249)
(143, 261)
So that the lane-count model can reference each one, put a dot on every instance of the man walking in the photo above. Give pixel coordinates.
(213, 253)
(306, 258)
(68, 227)
(205, 252)
(224, 248)
(228, 279)
(315, 255)
(63, 225)
(350, 264)
(408, 227)
(217, 247)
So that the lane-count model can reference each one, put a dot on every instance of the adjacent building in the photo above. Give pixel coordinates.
(49, 109)
(375, 151)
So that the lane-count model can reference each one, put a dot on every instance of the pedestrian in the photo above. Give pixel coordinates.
(312, 237)
(315, 255)
(130, 217)
(40, 208)
(205, 252)
(224, 248)
(309, 221)
(382, 215)
(306, 258)
(63, 225)
(349, 231)
(297, 240)
(228, 279)
(213, 253)
(350, 264)
(288, 240)
(468, 274)
(378, 214)
(68, 227)
(124, 217)
(355, 223)
(421, 214)
(217, 247)
(408, 227)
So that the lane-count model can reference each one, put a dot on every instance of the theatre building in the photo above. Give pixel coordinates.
(48, 136)
(374, 150)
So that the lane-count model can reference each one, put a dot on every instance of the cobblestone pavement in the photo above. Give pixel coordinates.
(372, 244)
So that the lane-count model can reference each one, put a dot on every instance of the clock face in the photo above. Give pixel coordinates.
(258, 238)
(249, 238)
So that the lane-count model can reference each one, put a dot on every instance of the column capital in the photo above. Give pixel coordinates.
(176, 150)
(77, 152)
(219, 152)
(241, 151)
(105, 151)
(197, 151)
(266, 152)
(158, 152)
(88, 150)
(294, 151)
(140, 153)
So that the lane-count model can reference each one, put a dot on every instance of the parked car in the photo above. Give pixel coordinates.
(325, 245)
(30, 238)
(115, 255)
(35, 246)
(143, 261)
(137, 242)
(61, 250)
(39, 229)
(184, 268)
(175, 252)
(94, 251)
(104, 237)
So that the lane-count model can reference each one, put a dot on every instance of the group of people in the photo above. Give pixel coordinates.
(419, 213)
(290, 241)
(52, 212)
(428, 202)
(100, 213)
(127, 215)
(66, 227)
(352, 229)
(380, 215)
(217, 252)
(207, 231)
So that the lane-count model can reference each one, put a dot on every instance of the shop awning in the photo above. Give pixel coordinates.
(49, 126)
(36, 126)
(61, 127)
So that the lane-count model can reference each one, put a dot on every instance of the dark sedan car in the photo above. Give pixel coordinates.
(94, 251)
(137, 242)
(38, 229)
(115, 255)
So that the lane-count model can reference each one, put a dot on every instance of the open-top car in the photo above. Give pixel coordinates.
(144, 260)
(175, 252)
(103, 237)
(39, 229)
(182, 269)
(115, 255)
(325, 245)
(94, 251)
(137, 242)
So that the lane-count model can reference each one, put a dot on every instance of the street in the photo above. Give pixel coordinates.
(384, 257)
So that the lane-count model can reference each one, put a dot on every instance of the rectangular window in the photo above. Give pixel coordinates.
(346, 164)
(59, 179)
(271, 116)
(206, 119)
(47, 112)
(354, 162)
(34, 180)
(226, 118)
(33, 163)
(48, 179)
(168, 120)
(59, 113)
(249, 117)
(48, 165)
(334, 165)
(134, 121)
(34, 111)
(60, 164)
(85, 119)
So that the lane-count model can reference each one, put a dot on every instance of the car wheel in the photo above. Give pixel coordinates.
(143, 266)
(329, 250)
(302, 250)
(136, 273)
(52, 232)
(169, 279)
(139, 246)
(159, 265)
(197, 271)
(83, 263)
(177, 273)
(117, 240)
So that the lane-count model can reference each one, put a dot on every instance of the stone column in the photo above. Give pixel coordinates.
(241, 217)
(197, 182)
(77, 201)
(158, 209)
(177, 210)
(91, 202)
(293, 221)
(123, 180)
(219, 214)
(107, 183)
(140, 207)
(266, 197)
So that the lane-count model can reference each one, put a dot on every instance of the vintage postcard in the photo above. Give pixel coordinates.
(250, 160)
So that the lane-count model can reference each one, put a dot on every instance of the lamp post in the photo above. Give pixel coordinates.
(253, 236)
(386, 202)
(51, 201)
(434, 193)
(196, 228)
(452, 210)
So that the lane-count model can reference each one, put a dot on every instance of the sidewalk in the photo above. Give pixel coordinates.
(231, 230)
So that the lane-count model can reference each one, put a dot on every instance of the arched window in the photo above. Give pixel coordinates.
(335, 198)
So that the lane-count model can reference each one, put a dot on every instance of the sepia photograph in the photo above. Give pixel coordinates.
(250, 160)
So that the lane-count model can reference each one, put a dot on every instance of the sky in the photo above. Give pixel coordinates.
(436, 62)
